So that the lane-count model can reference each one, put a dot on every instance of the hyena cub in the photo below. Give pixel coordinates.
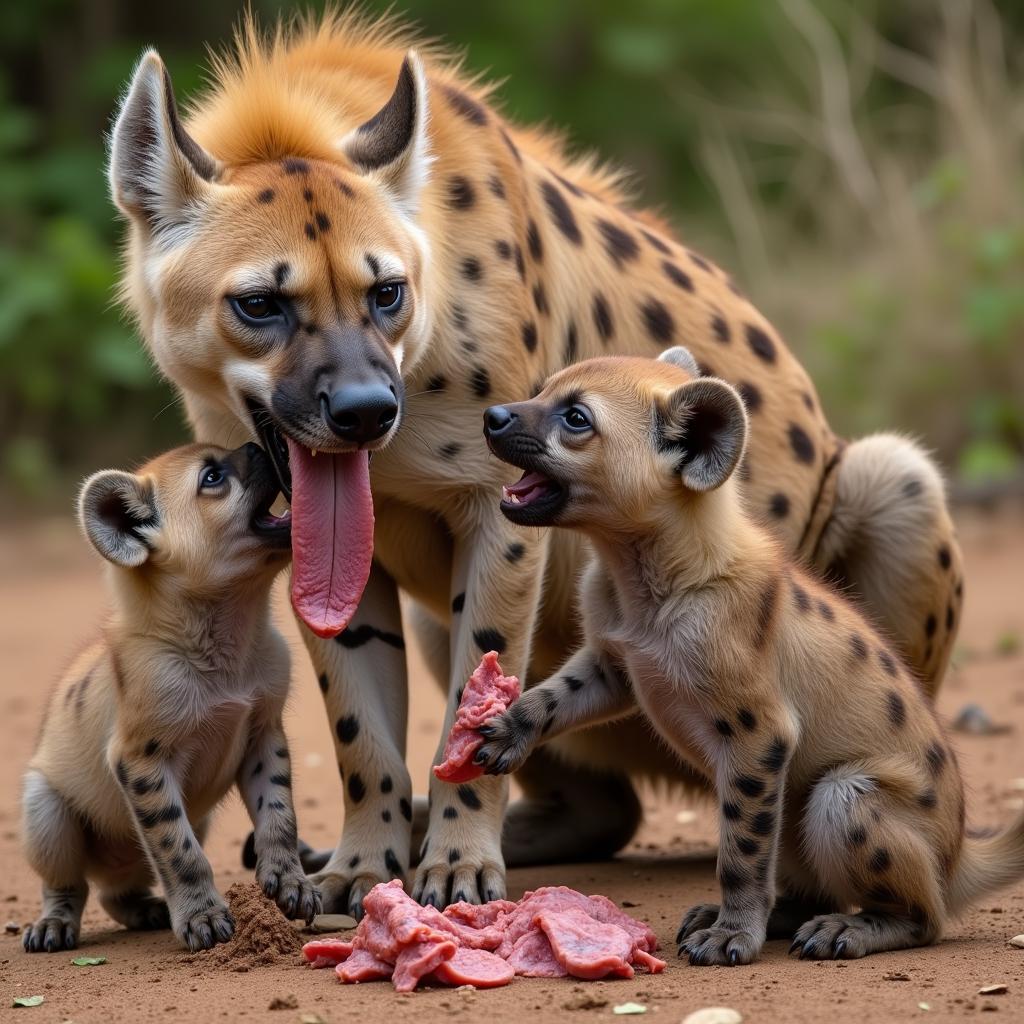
(181, 696)
(842, 809)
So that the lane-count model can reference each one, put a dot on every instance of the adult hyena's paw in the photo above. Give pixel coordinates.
(455, 876)
(832, 937)
(508, 740)
(50, 934)
(206, 925)
(717, 945)
(283, 880)
(698, 917)
(347, 878)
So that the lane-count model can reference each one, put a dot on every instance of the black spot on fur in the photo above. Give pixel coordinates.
(763, 823)
(391, 862)
(928, 800)
(465, 106)
(779, 506)
(776, 756)
(356, 788)
(307, 194)
(520, 262)
(450, 450)
(450, 813)
(472, 269)
(936, 757)
(803, 601)
(765, 613)
(258, 769)
(459, 602)
(533, 242)
(655, 242)
(480, 382)
(912, 488)
(358, 636)
(530, 336)
(293, 165)
(750, 394)
(857, 645)
(405, 809)
(347, 728)
(723, 727)
(151, 748)
(503, 249)
(386, 784)
(945, 557)
(281, 779)
(760, 344)
(436, 383)
(730, 878)
(385, 816)
(310, 231)
(571, 344)
(888, 663)
(731, 811)
(857, 836)
(122, 773)
(540, 299)
(343, 187)
(748, 785)
(896, 709)
(880, 860)
(698, 260)
(575, 684)
(679, 277)
(353, 862)
(468, 797)
(515, 551)
(489, 639)
(803, 447)
(950, 618)
(603, 318)
(930, 625)
(747, 846)
(496, 186)
(747, 719)
(161, 816)
(658, 321)
(561, 213)
(461, 194)
(621, 246)
(266, 196)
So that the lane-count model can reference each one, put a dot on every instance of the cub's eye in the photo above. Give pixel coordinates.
(577, 418)
(256, 310)
(386, 298)
(211, 477)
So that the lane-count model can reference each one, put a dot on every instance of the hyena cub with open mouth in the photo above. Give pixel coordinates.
(182, 696)
(841, 804)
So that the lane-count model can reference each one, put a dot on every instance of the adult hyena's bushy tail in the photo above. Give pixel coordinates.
(987, 865)
(890, 539)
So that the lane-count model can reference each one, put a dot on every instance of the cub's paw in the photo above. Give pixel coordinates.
(833, 937)
(717, 945)
(290, 889)
(508, 739)
(204, 928)
(50, 934)
(698, 917)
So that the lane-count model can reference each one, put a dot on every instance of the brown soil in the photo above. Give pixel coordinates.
(263, 935)
(51, 595)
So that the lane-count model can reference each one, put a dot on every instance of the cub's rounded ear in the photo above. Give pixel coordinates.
(707, 424)
(393, 145)
(681, 357)
(157, 170)
(118, 514)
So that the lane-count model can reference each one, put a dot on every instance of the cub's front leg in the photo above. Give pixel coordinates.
(265, 782)
(755, 744)
(588, 689)
(199, 917)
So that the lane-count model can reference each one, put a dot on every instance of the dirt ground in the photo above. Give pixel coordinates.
(51, 597)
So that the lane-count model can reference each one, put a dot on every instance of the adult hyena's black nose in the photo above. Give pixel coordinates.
(361, 412)
(497, 419)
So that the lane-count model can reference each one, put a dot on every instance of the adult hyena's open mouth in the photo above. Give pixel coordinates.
(332, 523)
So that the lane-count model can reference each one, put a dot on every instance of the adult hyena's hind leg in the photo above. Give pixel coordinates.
(890, 539)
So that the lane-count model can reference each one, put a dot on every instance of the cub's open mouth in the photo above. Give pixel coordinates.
(273, 527)
(534, 500)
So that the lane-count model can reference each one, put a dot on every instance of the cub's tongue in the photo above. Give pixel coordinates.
(332, 536)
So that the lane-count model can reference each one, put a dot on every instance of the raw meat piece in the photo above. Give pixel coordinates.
(475, 967)
(644, 959)
(479, 915)
(420, 958)
(533, 957)
(362, 965)
(583, 950)
(327, 952)
(487, 695)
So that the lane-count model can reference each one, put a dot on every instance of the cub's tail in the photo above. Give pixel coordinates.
(987, 865)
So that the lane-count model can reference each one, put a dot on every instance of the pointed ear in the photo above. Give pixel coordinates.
(393, 145)
(157, 170)
(681, 357)
(118, 514)
(707, 423)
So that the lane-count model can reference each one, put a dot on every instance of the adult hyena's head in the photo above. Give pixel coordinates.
(284, 296)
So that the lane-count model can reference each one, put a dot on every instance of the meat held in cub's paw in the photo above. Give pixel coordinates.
(487, 694)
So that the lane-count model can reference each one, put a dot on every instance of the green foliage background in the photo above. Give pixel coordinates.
(907, 304)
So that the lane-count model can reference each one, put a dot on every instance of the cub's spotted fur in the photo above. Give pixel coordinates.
(330, 163)
(836, 783)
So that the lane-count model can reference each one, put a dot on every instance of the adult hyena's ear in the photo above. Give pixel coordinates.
(681, 357)
(393, 145)
(118, 514)
(157, 170)
(706, 423)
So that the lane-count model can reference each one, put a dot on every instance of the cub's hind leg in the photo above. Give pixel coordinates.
(128, 898)
(868, 848)
(55, 848)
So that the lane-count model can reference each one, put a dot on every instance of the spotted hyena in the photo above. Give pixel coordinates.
(346, 249)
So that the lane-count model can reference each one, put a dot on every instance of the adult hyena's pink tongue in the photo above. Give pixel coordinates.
(332, 536)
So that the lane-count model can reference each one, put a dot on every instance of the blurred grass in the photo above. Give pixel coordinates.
(857, 165)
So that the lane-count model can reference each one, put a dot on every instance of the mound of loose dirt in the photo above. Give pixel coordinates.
(263, 935)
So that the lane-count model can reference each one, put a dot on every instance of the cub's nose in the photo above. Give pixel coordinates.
(361, 412)
(243, 458)
(497, 419)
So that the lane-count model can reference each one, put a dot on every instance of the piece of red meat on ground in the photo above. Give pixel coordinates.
(583, 950)
(475, 967)
(420, 958)
(533, 957)
(479, 915)
(362, 965)
(488, 693)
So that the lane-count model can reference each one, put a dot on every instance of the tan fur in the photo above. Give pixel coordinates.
(180, 698)
(517, 260)
(834, 777)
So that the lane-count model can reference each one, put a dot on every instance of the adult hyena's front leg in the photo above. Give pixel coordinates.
(362, 674)
(496, 587)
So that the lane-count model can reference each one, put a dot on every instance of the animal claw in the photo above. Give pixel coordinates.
(796, 944)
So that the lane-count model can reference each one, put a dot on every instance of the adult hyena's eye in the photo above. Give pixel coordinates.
(256, 309)
(387, 298)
